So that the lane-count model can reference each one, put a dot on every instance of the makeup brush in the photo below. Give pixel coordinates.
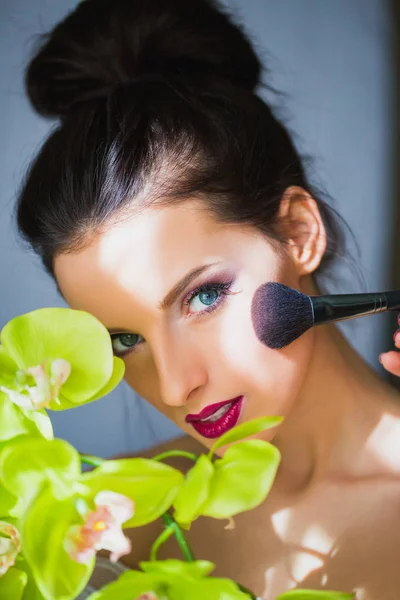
(281, 314)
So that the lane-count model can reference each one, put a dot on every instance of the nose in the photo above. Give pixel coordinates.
(181, 369)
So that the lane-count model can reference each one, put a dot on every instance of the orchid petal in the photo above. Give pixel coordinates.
(60, 371)
(116, 543)
(74, 547)
(120, 507)
(101, 529)
(10, 546)
(21, 400)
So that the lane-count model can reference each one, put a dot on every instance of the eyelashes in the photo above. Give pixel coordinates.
(223, 289)
(115, 336)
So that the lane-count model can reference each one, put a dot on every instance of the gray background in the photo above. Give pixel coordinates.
(331, 58)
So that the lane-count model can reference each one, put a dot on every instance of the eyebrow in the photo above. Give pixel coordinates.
(176, 290)
(182, 284)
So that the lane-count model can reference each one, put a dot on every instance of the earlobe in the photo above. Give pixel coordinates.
(301, 224)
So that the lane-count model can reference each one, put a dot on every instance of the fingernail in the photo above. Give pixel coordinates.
(396, 333)
(380, 358)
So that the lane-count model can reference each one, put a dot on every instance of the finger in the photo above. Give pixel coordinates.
(391, 362)
(396, 338)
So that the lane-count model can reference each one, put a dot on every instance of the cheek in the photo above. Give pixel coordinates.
(274, 377)
(144, 383)
(281, 379)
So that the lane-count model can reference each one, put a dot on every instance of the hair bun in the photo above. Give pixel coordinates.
(103, 43)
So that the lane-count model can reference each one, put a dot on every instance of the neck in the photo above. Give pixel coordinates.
(337, 426)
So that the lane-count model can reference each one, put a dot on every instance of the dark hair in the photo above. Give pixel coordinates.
(157, 103)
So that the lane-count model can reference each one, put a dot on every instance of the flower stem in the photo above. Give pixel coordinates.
(94, 461)
(246, 591)
(170, 522)
(169, 453)
(165, 535)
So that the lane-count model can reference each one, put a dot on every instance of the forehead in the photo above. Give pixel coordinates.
(147, 253)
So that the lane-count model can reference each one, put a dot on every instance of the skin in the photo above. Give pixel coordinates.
(339, 480)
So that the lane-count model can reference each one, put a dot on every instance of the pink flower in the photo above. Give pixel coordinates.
(46, 389)
(102, 529)
(10, 546)
(147, 596)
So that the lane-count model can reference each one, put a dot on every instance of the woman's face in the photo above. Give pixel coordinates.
(189, 350)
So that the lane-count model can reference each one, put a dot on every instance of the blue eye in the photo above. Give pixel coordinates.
(206, 298)
(210, 295)
(127, 341)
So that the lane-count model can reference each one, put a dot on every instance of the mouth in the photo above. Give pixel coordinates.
(216, 419)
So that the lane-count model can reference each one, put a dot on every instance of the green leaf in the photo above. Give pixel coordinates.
(242, 478)
(12, 584)
(194, 491)
(44, 529)
(151, 485)
(315, 595)
(245, 430)
(27, 463)
(76, 336)
(196, 569)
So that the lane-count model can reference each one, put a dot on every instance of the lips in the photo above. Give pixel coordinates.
(215, 420)
(209, 410)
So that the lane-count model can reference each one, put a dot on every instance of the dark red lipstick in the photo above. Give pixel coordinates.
(210, 424)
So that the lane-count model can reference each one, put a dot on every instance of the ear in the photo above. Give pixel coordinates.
(301, 224)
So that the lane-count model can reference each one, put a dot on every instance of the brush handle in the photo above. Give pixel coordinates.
(339, 307)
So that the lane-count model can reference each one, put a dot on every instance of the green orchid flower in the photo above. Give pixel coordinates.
(237, 482)
(164, 580)
(57, 358)
(66, 516)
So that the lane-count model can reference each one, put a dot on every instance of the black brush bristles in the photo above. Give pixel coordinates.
(280, 314)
